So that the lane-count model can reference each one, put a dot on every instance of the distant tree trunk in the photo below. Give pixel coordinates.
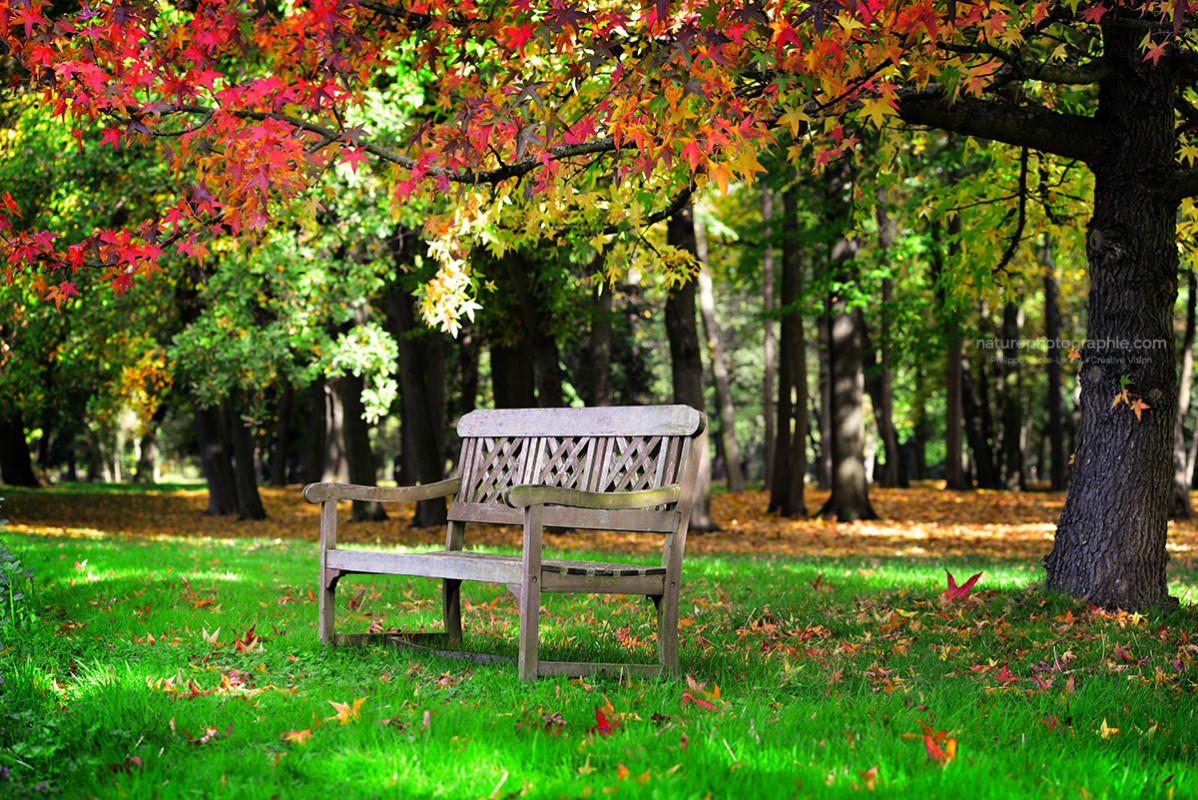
(1012, 399)
(16, 463)
(512, 378)
(359, 460)
(336, 466)
(686, 361)
(881, 380)
(422, 390)
(823, 455)
(1179, 493)
(280, 451)
(954, 418)
(216, 459)
(599, 345)
(147, 458)
(315, 447)
(789, 471)
(240, 438)
(770, 367)
(719, 367)
(849, 500)
(1056, 410)
(979, 427)
(469, 351)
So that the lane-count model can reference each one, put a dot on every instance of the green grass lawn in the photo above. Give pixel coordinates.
(189, 668)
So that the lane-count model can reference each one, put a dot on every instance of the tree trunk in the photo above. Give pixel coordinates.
(1110, 542)
(719, 367)
(422, 390)
(147, 458)
(599, 345)
(316, 433)
(1179, 492)
(954, 401)
(823, 455)
(1056, 409)
(789, 470)
(16, 464)
(1012, 399)
(686, 363)
(336, 465)
(979, 427)
(849, 500)
(216, 459)
(770, 367)
(512, 377)
(240, 437)
(468, 352)
(360, 466)
(280, 450)
(881, 382)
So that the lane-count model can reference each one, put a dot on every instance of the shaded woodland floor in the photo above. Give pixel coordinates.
(920, 522)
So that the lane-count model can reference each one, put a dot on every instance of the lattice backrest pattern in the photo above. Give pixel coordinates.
(597, 451)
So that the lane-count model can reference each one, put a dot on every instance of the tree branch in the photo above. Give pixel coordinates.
(1066, 135)
(1183, 183)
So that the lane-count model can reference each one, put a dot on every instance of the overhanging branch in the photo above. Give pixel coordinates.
(1066, 135)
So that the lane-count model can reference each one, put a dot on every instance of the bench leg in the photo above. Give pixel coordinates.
(530, 616)
(667, 629)
(451, 595)
(530, 593)
(328, 601)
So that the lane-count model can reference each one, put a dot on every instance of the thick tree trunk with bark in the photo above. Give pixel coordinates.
(788, 475)
(719, 368)
(880, 380)
(979, 427)
(849, 500)
(1110, 542)
(16, 463)
(1056, 410)
(954, 383)
(216, 460)
(823, 454)
(686, 361)
(513, 383)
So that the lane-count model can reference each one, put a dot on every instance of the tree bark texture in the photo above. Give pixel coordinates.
(240, 434)
(1012, 399)
(1110, 542)
(788, 475)
(881, 379)
(686, 361)
(360, 466)
(216, 459)
(16, 463)
(281, 447)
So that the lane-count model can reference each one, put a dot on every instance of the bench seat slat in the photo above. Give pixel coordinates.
(559, 517)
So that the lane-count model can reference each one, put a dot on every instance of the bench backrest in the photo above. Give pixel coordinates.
(601, 449)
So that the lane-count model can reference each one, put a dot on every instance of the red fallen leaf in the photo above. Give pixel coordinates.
(356, 600)
(602, 726)
(687, 697)
(870, 778)
(932, 741)
(955, 592)
(1005, 676)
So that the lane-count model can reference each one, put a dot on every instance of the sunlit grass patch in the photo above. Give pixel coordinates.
(185, 666)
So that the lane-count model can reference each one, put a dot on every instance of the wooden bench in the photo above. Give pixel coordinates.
(615, 468)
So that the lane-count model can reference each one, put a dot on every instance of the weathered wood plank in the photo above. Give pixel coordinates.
(606, 421)
(560, 517)
(521, 496)
(460, 565)
(320, 492)
(575, 669)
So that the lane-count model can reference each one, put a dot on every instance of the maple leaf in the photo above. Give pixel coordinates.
(954, 592)
(297, 737)
(345, 712)
(1138, 406)
(687, 697)
(940, 746)
(603, 726)
(1106, 731)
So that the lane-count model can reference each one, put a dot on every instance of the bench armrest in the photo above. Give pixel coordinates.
(320, 492)
(529, 494)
